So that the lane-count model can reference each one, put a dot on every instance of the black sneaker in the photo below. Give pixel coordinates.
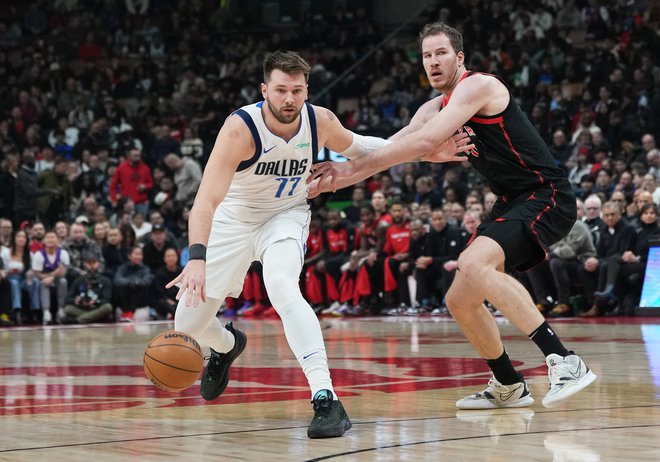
(330, 419)
(216, 374)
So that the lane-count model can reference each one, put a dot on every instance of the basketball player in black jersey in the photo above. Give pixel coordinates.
(536, 208)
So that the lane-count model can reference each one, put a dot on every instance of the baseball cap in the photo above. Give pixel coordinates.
(89, 255)
(157, 227)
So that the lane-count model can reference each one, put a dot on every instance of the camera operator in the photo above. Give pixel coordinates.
(89, 297)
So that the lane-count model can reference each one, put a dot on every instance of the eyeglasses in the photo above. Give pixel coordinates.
(593, 208)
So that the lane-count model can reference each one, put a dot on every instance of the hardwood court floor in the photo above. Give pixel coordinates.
(79, 394)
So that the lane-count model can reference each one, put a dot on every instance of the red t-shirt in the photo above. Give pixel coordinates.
(397, 239)
(314, 243)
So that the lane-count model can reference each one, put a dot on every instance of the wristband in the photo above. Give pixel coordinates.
(197, 252)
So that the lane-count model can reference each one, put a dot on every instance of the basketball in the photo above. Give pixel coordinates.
(173, 361)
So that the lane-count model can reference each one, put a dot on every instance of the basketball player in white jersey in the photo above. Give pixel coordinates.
(252, 205)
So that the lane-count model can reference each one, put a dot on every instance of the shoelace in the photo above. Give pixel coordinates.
(322, 406)
(214, 362)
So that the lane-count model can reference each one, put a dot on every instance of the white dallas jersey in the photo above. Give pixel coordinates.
(275, 178)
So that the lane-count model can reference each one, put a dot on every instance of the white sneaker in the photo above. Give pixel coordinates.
(48, 317)
(332, 308)
(497, 396)
(567, 375)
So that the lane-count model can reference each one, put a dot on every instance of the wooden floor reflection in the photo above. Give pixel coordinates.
(79, 394)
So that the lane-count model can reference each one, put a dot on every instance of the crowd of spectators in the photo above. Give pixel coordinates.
(109, 110)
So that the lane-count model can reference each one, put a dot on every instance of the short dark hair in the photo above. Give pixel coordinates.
(646, 207)
(288, 62)
(437, 28)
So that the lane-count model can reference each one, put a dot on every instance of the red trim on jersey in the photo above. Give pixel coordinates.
(500, 219)
(486, 121)
(520, 159)
(445, 98)
(474, 235)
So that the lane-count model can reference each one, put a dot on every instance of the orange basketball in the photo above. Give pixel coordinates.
(173, 361)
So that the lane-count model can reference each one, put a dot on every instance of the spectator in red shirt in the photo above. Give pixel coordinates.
(132, 179)
(397, 244)
(89, 50)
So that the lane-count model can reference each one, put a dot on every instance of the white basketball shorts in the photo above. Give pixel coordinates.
(234, 245)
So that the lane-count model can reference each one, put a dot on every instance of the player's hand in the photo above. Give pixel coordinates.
(313, 189)
(327, 174)
(192, 282)
(454, 149)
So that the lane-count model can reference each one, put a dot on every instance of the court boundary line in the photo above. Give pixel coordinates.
(367, 422)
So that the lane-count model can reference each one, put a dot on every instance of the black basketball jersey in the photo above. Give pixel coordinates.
(509, 152)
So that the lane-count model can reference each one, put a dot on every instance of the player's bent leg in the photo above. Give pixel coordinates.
(467, 308)
(482, 261)
(482, 264)
(465, 303)
(227, 343)
(282, 264)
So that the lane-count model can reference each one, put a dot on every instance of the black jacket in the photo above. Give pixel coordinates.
(649, 236)
(27, 191)
(95, 287)
(623, 239)
(444, 245)
(161, 278)
(130, 275)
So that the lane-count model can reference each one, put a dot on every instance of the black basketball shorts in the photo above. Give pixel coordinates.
(527, 224)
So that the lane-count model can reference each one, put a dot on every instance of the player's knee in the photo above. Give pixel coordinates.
(452, 300)
(470, 265)
(281, 287)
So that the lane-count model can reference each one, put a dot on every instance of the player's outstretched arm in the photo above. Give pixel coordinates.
(233, 145)
(423, 115)
(340, 139)
(330, 176)
(434, 142)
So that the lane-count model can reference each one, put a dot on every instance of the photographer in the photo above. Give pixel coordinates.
(89, 297)
(132, 281)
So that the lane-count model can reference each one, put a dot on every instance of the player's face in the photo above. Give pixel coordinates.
(378, 201)
(440, 61)
(396, 212)
(333, 219)
(285, 95)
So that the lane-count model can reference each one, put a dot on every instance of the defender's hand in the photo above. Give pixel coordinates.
(454, 149)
